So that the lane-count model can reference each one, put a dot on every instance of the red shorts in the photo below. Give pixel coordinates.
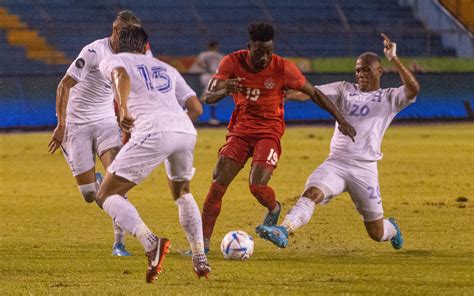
(264, 150)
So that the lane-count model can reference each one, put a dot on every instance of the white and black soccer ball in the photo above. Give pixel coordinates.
(237, 245)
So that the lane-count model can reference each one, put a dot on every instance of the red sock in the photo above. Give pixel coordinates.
(265, 195)
(212, 208)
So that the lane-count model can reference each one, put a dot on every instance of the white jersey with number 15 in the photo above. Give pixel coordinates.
(157, 96)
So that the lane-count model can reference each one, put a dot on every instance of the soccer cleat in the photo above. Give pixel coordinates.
(272, 218)
(156, 258)
(278, 235)
(118, 249)
(99, 178)
(189, 253)
(201, 266)
(397, 240)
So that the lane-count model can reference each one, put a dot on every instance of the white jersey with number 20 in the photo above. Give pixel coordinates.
(370, 113)
(157, 96)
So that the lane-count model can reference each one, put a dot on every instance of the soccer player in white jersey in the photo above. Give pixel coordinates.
(151, 94)
(209, 61)
(86, 120)
(352, 166)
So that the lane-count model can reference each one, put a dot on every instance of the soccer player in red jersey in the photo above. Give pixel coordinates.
(257, 79)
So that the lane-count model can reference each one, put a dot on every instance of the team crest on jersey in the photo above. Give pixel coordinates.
(80, 63)
(269, 83)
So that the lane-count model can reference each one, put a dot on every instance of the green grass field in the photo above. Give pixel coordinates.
(51, 242)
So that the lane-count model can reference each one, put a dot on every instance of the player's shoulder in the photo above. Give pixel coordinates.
(98, 44)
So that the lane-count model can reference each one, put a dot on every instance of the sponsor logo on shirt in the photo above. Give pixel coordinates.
(269, 83)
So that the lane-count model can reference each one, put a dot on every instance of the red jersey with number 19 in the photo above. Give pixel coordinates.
(259, 107)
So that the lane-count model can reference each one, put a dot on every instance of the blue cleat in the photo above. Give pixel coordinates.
(278, 235)
(119, 250)
(189, 253)
(397, 240)
(99, 178)
(272, 218)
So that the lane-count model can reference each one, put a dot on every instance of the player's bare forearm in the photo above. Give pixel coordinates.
(121, 82)
(62, 97)
(217, 89)
(322, 101)
(412, 87)
(194, 108)
(213, 97)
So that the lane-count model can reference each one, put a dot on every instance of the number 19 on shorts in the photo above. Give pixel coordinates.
(272, 157)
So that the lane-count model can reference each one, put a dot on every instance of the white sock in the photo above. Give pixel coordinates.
(88, 191)
(389, 230)
(126, 216)
(190, 219)
(119, 233)
(299, 215)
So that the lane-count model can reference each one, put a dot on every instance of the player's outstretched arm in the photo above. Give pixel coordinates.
(194, 108)
(323, 101)
(62, 97)
(294, 95)
(412, 87)
(121, 83)
(217, 89)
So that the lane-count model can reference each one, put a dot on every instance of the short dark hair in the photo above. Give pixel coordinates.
(370, 56)
(128, 17)
(132, 39)
(212, 43)
(261, 32)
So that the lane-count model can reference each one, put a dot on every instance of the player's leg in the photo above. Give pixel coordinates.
(326, 182)
(108, 144)
(265, 157)
(78, 150)
(133, 163)
(179, 168)
(363, 187)
(232, 157)
(225, 171)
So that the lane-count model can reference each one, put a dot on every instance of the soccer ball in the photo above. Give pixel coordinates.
(237, 245)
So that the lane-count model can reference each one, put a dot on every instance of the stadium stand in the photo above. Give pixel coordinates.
(181, 28)
(463, 10)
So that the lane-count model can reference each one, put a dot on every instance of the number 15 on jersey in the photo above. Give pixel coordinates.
(157, 79)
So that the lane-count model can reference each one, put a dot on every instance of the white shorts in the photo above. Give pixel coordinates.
(82, 141)
(360, 178)
(141, 155)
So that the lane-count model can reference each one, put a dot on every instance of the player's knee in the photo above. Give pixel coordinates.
(89, 192)
(314, 193)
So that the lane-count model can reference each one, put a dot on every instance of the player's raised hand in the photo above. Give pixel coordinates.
(233, 85)
(56, 139)
(389, 47)
(347, 130)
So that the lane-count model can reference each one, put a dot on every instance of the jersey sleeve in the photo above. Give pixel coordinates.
(332, 90)
(225, 69)
(183, 90)
(293, 78)
(86, 62)
(109, 64)
(398, 99)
